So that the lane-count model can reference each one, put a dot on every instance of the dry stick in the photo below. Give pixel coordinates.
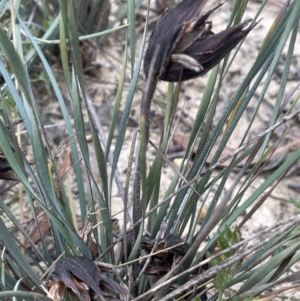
(211, 223)
(199, 238)
(151, 255)
(264, 287)
(253, 140)
(267, 254)
(263, 199)
(230, 261)
(231, 248)
(213, 272)
(211, 168)
(243, 170)
(235, 152)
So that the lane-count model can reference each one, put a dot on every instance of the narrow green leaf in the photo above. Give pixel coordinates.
(16, 254)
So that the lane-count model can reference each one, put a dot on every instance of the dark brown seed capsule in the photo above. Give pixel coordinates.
(183, 46)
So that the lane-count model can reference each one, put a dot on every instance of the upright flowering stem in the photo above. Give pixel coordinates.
(182, 46)
(141, 170)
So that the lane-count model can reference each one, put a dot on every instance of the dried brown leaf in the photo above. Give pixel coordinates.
(84, 269)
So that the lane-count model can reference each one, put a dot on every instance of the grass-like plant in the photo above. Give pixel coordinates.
(180, 266)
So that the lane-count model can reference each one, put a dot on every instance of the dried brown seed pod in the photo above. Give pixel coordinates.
(182, 45)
